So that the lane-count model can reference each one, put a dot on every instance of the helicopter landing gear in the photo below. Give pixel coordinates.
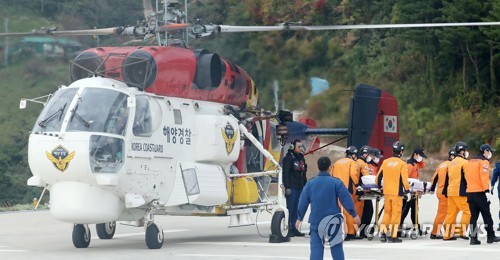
(279, 228)
(154, 233)
(154, 236)
(106, 230)
(81, 235)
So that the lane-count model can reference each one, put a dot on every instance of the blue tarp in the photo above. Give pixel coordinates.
(318, 85)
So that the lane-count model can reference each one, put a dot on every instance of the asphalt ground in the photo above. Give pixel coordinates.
(36, 235)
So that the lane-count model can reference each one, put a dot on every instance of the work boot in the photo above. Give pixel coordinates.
(474, 241)
(450, 239)
(492, 240)
(436, 237)
(351, 237)
(464, 237)
(297, 233)
(383, 238)
(395, 240)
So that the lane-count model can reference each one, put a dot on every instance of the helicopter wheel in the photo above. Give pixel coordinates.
(279, 230)
(106, 230)
(81, 236)
(154, 236)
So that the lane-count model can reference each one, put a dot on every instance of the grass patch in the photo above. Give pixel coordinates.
(20, 207)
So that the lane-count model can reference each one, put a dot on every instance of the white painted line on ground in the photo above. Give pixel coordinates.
(12, 251)
(143, 233)
(259, 256)
(243, 256)
(404, 246)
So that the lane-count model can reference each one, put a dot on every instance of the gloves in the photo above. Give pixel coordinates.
(288, 192)
(359, 190)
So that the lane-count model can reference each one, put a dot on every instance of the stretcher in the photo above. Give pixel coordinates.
(369, 190)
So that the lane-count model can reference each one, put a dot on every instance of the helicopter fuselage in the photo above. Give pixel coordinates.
(107, 151)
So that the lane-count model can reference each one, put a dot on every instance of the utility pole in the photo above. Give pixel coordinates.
(6, 50)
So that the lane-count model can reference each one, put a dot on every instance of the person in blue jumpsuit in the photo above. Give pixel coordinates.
(323, 193)
(494, 178)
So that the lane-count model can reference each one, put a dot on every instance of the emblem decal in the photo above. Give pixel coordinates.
(229, 135)
(60, 157)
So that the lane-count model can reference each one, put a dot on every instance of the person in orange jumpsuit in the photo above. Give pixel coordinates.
(365, 156)
(347, 170)
(374, 164)
(477, 175)
(414, 164)
(367, 216)
(438, 181)
(455, 187)
(394, 174)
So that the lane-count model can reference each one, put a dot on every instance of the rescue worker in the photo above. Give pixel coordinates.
(494, 178)
(477, 175)
(455, 187)
(324, 193)
(438, 181)
(394, 174)
(368, 205)
(346, 169)
(374, 164)
(294, 179)
(365, 155)
(414, 164)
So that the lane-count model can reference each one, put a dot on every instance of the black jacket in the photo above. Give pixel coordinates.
(294, 170)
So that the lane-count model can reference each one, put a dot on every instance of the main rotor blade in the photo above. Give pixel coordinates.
(389, 26)
(104, 31)
(229, 28)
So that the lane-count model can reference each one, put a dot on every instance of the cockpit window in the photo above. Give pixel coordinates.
(100, 110)
(51, 118)
(148, 116)
(142, 120)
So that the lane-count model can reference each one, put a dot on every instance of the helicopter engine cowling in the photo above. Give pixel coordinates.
(139, 69)
(85, 65)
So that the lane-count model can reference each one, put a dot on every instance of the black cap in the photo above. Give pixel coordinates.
(377, 153)
(486, 147)
(420, 151)
(452, 152)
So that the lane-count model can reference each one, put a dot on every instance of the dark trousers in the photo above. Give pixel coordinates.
(366, 219)
(407, 205)
(478, 203)
(292, 203)
(317, 248)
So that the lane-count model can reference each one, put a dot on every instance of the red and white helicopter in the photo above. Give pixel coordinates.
(155, 130)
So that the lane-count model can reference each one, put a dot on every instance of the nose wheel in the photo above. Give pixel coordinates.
(81, 236)
(154, 236)
(106, 230)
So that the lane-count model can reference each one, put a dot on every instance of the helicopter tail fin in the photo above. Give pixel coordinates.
(373, 119)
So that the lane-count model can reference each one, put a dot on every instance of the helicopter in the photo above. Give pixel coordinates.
(168, 130)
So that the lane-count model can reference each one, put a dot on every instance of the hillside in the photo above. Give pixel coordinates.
(446, 80)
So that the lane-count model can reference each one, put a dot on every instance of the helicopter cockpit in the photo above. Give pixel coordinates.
(105, 114)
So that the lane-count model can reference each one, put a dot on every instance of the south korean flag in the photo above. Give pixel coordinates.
(390, 124)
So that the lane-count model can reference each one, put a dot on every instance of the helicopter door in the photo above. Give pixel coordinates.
(147, 152)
